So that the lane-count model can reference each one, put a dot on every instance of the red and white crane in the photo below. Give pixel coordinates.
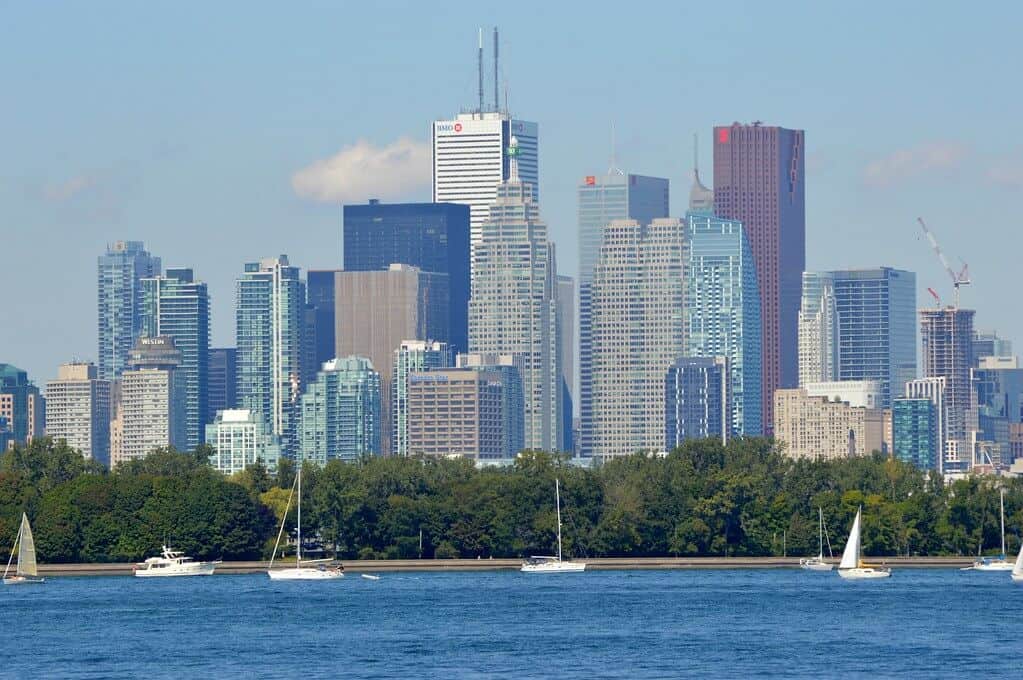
(960, 278)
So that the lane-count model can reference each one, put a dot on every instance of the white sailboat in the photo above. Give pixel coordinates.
(818, 563)
(852, 566)
(26, 570)
(548, 564)
(1000, 563)
(1017, 569)
(319, 570)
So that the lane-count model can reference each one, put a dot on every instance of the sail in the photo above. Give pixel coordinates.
(1017, 570)
(851, 554)
(27, 550)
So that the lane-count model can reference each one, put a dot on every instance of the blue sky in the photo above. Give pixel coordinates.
(189, 126)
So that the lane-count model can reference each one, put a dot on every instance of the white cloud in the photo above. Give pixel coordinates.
(905, 164)
(363, 171)
(65, 191)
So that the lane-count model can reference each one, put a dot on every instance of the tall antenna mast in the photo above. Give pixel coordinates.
(479, 65)
(497, 100)
(696, 155)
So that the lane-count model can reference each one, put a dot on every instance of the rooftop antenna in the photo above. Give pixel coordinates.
(479, 64)
(497, 100)
(614, 169)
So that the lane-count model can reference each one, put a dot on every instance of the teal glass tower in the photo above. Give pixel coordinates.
(119, 302)
(340, 413)
(722, 312)
(178, 306)
(914, 432)
(269, 316)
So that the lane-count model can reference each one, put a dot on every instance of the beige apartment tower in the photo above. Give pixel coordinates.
(456, 413)
(820, 429)
(78, 410)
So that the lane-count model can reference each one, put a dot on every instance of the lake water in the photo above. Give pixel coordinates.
(729, 623)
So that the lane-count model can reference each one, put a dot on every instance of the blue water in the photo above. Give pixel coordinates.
(734, 623)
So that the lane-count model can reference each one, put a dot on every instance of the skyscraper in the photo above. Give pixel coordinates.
(154, 390)
(722, 312)
(269, 317)
(604, 199)
(818, 329)
(177, 306)
(566, 322)
(78, 410)
(377, 310)
(509, 366)
(947, 340)
(457, 412)
(820, 429)
(914, 432)
(470, 160)
(21, 405)
(696, 400)
(514, 309)
(759, 180)
(341, 414)
(321, 300)
(410, 357)
(638, 331)
(935, 390)
(222, 381)
(119, 302)
(433, 237)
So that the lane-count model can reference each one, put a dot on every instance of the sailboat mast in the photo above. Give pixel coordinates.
(298, 549)
(557, 501)
(820, 531)
(1001, 511)
(14, 549)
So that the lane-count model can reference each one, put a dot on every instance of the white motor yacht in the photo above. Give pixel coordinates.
(173, 563)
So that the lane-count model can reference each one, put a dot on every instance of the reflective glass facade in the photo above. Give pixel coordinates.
(914, 431)
(119, 302)
(340, 413)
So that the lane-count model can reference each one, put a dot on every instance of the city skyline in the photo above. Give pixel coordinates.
(122, 170)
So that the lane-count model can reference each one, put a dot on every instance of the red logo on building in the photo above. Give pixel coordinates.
(590, 180)
(723, 136)
(458, 127)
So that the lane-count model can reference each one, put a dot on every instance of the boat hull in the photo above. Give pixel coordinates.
(863, 573)
(814, 564)
(304, 574)
(997, 565)
(1018, 578)
(197, 569)
(553, 568)
(22, 580)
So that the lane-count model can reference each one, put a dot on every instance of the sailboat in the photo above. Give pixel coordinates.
(999, 564)
(852, 566)
(1017, 569)
(25, 547)
(548, 564)
(818, 563)
(320, 570)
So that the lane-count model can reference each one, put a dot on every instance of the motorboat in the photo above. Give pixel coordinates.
(852, 566)
(549, 564)
(173, 563)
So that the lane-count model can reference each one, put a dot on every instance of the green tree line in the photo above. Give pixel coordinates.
(743, 499)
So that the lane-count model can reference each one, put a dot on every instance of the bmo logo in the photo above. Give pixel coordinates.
(448, 127)
(458, 127)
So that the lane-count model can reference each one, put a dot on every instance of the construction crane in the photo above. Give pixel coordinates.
(962, 278)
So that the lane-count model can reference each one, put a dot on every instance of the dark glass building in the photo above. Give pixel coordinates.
(431, 236)
(696, 403)
(320, 286)
(222, 381)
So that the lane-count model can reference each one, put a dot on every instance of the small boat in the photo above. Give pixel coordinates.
(371, 577)
(548, 564)
(999, 563)
(818, 563)
(24, 547)
(315, 570)
(173, 563)
(1017, 569)
(852, 567)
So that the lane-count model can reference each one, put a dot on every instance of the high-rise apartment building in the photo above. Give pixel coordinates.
(376, 310)
(989, 344)
(947, 340)
(434, 237)
(21, 405)
(818, 329)
(935, 390)
(509, 366)
(239, 439)
(412, 356)
(176, 305)
(341, 413)
(638, 330)
(566, 322)
(759, 180)
(914, 432)
(863, 393)
(154, 398)
(696, 400)
(222, 381)
(722, 312)
(857, 324)
(457, 412)
(471, 159)
(269, 318)
(604, 199)
(78, 410)
(820, 429)
(514, 309)
(119, 302)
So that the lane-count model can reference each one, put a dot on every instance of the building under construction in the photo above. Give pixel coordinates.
(947, 338)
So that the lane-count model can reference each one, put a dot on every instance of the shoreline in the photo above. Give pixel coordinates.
(596, 563)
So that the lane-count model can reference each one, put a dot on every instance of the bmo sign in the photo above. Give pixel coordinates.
(449, 127)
